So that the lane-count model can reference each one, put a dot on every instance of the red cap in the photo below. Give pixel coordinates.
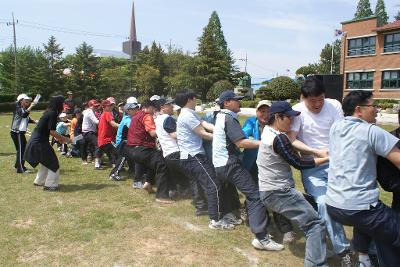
(93, 103)
(106, 103)
(111, 99)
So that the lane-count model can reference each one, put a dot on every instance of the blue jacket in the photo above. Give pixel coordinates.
(126, 121)
(250, 129)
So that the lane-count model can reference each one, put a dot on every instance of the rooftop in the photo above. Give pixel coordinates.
(390, 26)
(358, 20)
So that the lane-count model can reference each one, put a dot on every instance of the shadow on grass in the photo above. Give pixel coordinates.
(75, 187)
(6, 154)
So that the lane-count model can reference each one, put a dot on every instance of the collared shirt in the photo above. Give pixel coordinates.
(188, 141)
(90, 121)
(353, 150)
(227, 132)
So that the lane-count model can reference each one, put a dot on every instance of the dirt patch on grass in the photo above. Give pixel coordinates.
(23, 224)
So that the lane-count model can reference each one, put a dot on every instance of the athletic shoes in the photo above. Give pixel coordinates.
(289, 237)
(220, 225)
(148, 187)
(137, 185)
(115, 177)
(267, 244)
(345, 259)
(230, 218)
(51, 188)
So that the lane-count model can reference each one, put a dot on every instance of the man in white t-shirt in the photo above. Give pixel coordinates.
(312, 127)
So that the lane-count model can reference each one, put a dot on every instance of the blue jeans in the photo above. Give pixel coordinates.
(380, 223)
(291, 204)
(315, 182)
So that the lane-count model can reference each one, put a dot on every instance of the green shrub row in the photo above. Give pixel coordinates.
(10, 106)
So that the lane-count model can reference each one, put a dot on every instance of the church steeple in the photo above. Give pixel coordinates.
(132, 46)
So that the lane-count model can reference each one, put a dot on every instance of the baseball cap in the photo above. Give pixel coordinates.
(283, 107)
(93, 103)
(163, 101)
(131, 106)
(69, 93)
(228, 95)
(111, 99)
(155, 97)
(132, 99)
(77, 110)
(263, 103)
(62, 115)
(23, 96)
(106, 102)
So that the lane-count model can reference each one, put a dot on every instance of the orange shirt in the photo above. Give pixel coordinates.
(74, 121)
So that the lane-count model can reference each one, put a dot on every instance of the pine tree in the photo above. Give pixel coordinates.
(363, 9)
(215, 62)
(380, 12)
(397, 17)
(55, 66)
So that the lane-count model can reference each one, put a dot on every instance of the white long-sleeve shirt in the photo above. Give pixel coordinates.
(90, 122)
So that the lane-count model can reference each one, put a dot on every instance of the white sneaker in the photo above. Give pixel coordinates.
(267, 244)
(230, 218)
(220, 225)
(289, 237)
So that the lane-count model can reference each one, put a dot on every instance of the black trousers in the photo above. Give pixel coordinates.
(88, 143)
(110, 151)
(19, 140)
(380, 223)
(199, 169)
(153, 160)
(175, 172)
(121, 158)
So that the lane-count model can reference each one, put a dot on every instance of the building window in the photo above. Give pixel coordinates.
(391, 79)
(361, 46)
(392, 42)
(360, 80)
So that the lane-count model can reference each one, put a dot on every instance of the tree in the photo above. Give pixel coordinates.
(214, 63)
(55, 66)
(283, 88)
(307, 70)
(264, 92)
(397, 17)
(380, 12)
(363, 9)
(324, 66)
(146, 78)
(217, 88)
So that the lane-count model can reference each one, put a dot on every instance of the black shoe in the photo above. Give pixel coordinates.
(51, 188)
(200, 212)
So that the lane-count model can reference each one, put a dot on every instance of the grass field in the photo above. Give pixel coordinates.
(92, 221)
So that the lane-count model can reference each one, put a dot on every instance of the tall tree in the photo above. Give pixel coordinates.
(55, 66)
(214, 63)
(363, 9)
(324, 66)
(397, 17)
(380, 12)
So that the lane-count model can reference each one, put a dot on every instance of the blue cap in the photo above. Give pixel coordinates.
(228, 95)
(283, 107)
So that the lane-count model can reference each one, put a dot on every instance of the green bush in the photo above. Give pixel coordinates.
(248, 103)
(10, 106)
(8, 98)
(283, 88)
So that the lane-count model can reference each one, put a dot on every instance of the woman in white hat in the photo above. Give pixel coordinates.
(19, 126)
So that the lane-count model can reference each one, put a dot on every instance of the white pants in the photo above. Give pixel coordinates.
(47, 177)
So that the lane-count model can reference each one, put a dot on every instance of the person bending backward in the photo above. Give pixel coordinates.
(276, 183)
(38, 149)
(142, 149)
(166, 133)
(190, 132)
(227, 141)
(89, 129)
(353, 193)
(19, 126)
(311, 128)
(106, 134)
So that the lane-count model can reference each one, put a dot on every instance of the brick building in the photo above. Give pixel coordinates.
(370, 57)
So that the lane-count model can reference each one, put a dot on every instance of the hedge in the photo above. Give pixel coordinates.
(10, 106)
(7, 98)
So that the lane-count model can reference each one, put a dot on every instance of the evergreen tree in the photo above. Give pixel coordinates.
(215, 62)
(55, 66)
(380, 12)
(324, 66)
(363, 9)
(397, 17)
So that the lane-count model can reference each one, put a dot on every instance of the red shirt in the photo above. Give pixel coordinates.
(106, 133)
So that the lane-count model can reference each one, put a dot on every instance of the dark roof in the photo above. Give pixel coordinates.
(390, 26)
(357, 20)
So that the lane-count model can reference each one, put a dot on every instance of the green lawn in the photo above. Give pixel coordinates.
(96, 222)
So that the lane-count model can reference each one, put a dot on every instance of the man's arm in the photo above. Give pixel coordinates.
(201, 131)
(394, 156)
(113, 124)
(304, 149)
(208, 126)
(247, 143)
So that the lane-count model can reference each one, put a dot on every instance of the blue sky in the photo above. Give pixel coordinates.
(277, 35)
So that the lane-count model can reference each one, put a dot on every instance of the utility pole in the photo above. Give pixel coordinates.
(245, 63)
(13, 23)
